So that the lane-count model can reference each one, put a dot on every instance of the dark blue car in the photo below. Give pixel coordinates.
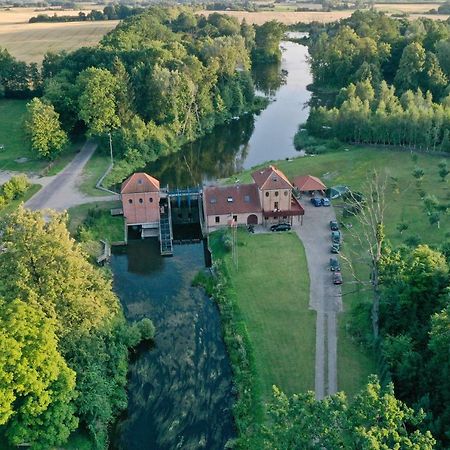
(316, 201)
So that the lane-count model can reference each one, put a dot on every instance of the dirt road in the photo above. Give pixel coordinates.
(61, 191)
(325, 297)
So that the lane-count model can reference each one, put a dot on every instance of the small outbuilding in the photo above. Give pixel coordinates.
(309, 183)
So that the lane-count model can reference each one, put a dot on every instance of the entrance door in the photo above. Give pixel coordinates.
(252, 219)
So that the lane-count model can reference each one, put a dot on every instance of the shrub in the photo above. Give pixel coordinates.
(146, 328)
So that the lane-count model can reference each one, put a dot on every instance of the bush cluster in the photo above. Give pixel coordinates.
(13, 189)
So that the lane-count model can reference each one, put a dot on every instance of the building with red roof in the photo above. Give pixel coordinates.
(267, 201)
(140, 199)
(308, 183)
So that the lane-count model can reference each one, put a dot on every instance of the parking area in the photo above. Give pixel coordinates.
(325, 297)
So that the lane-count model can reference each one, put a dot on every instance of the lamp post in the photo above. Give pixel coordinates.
(110, 148)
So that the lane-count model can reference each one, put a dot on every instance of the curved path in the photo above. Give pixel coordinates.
(325, 297)
(61, 191)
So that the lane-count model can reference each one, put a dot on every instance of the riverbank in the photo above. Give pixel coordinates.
(268, 327)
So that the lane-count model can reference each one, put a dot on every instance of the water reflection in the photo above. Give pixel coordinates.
(180, 391)
(250, 140)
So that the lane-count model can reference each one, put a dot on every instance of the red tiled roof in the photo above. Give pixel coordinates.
(295, 210)
(309, 183)
(271, 178)
(243, 198)
(139, 182)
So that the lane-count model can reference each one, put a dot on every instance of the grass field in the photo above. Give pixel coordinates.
(103, 227)
(351, 168)
(12, 136)
(272, 291)
(92, 171)
(288, 17)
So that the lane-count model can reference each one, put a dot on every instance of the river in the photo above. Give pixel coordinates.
(252, 139)
(180, 389)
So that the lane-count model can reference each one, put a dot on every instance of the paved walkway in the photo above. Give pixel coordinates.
(61, 192)
(325, 297)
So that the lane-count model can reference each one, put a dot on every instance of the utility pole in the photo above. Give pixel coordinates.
(110, 148)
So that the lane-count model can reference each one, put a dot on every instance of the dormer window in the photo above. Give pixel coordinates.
(247, 198)
(213, 200)
(230, 199)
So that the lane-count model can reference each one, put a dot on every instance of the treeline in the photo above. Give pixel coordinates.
(63, 338)
(158, 80)
(392, 75)
(368, 115)
(371, 45)
(110, 12)
(414, 325)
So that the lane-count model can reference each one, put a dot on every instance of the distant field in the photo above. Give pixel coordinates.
(291, 17)
(30, 41)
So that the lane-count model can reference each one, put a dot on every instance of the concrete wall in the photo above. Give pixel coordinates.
(141, 207)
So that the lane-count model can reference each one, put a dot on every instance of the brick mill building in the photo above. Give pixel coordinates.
(267, 201)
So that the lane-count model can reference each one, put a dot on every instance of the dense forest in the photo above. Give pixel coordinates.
(391, 77)
(64, 340)
(158, 80)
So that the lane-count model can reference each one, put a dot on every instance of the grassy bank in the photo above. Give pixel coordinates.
(93, 170)
(96, 221)
(268, 295)
(16, 144)
(403, 205)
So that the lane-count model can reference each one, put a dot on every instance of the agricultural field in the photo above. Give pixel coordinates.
(30, 41)
(271, 287)
(404, 205)
(287, 16)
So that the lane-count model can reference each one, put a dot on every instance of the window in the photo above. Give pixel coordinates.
(217, 219)
(275, 205)
(230, 199)
(150, 199)
(235, 218)
(247, 198)
(213, 200)
(276, 193)
(130, 201)
(141, 200)
(284, 217)
(189, 215)
(140, 181)
(266, 218)
(180, 216)
(286, 193)
(267, 194)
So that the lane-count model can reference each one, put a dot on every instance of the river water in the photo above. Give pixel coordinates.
(252, 139)
(180, 389)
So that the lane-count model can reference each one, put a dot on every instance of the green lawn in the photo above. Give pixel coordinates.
(271, 286)
(92, 171)
(352, 168)
(16, 144)
(104, 226)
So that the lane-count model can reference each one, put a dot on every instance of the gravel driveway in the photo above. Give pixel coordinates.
(325, 297)
(61, 191)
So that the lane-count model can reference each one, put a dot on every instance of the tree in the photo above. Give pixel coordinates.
(370, 237)
(47, 137)
(374, 419)
(44, 267)
(402, 226)
(267, 41)
(443, 170)
(411, 66)
(97, 102)
(38, 389)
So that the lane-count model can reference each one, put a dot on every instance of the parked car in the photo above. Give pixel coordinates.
(334, 265)
(316, 201)
(337, 278)
(280, 227)
(336, 237)
(334, 225)
(335, 248)
(326, 201)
